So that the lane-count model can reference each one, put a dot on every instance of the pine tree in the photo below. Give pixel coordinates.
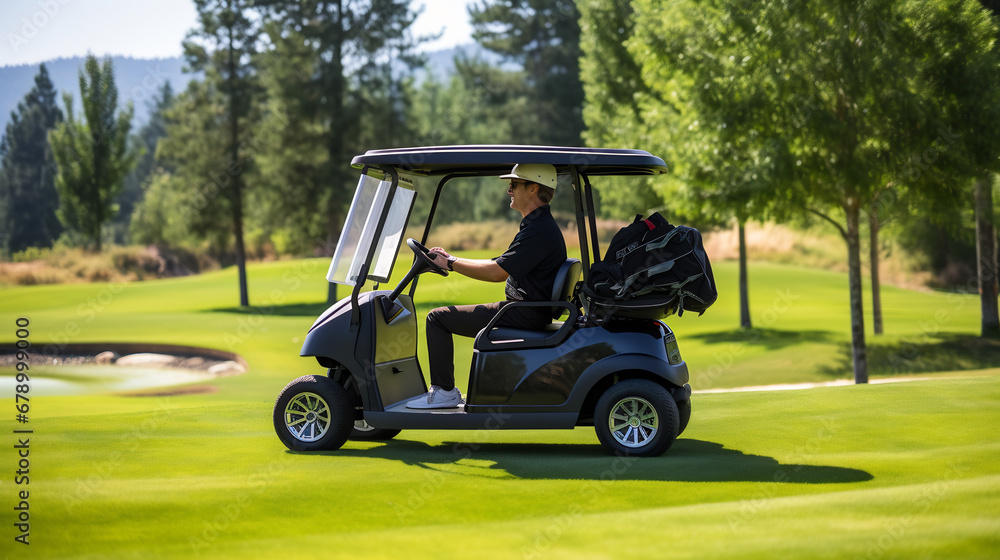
(135, 182)
(28, 200)
(543, 37)
(185, 199)
(224, 47)
(340, 55)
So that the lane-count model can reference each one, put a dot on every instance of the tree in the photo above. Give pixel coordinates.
(612, 83)
(137, 180)
(959, 69)
(839, 97)
(986, 250)
(543, 38)
(291, 158)
(340, 51)
(93, 155)
(465, 111)
(884, 201)
(28, 200)
(715, 177)
(224, 47)
(986, 257)
(186, 199)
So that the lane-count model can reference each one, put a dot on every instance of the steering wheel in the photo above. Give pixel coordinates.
(423, 255)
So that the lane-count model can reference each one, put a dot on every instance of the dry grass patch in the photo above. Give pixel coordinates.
(814, 248)
(116, 264)
(497, 234)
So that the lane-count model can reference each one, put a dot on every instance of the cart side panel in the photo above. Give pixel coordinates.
(397, 371)
(548, 376)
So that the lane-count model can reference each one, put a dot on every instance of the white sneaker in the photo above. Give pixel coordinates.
(436, 398)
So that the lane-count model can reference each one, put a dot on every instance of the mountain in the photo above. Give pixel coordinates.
(138, 81)
(441, 64)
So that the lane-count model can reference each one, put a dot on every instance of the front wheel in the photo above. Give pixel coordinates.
(636, 417)
(313, 413)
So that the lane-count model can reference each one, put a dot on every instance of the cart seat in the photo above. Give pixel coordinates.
(501, 335)
(495, 338)
(562, 288)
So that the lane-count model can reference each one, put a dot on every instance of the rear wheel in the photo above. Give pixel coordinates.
(636, 417)
(684, 410)
(313, 413)
(362, 431)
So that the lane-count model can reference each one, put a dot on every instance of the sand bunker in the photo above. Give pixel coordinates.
(127, 369)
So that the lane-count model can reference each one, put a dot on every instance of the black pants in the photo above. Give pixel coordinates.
(468, 320)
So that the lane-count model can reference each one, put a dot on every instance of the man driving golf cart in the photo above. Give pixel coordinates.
(529, 267)
(612, 363)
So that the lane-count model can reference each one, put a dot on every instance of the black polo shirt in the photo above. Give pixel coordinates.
(534, 257)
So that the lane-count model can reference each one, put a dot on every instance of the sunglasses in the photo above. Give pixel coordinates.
(514, 184)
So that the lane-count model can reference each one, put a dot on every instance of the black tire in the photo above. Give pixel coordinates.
(684, 409)
(636, 417)
(313, 413)
(361, 431)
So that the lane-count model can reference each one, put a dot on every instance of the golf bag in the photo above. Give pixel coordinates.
(652, 269)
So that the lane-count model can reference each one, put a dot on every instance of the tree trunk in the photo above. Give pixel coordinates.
(331, 293)
(335, 145)
(241, 259)
(745, 322)
(237, 180)
(859, 352)
(98, 205)
(331, 290)
(986, 257)
(876, 283)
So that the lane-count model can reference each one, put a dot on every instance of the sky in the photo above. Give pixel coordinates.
(33, 31)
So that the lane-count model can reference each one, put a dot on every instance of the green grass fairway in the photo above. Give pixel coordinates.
(896, 470)
(903, 469)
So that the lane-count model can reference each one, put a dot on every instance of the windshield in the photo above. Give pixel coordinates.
(359, 231)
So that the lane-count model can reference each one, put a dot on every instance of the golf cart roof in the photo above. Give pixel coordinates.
(489, 159)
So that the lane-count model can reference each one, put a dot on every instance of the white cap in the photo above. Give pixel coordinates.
(541, 173)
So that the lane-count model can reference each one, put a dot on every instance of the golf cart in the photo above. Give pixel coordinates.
(617, 368)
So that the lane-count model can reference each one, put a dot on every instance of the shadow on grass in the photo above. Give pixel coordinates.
(923, 354)
(767, 338)
(688, 460)
(289, 310)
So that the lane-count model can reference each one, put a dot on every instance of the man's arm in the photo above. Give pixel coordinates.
(480, 269)
(477, 269)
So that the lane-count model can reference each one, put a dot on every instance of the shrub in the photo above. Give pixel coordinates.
(31, 274)
(31, 254)
(66, 265)
(137, 262)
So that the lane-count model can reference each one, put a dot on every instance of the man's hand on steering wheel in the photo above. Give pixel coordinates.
(426, 257)
(441, 257)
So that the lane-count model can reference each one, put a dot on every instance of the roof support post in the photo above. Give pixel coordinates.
(592, 213)
(581, 223)
(430, 219)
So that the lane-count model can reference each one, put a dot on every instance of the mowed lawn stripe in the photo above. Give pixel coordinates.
(218, 474)
(945, 518)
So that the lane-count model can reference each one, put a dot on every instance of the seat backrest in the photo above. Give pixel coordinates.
(566, 279)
